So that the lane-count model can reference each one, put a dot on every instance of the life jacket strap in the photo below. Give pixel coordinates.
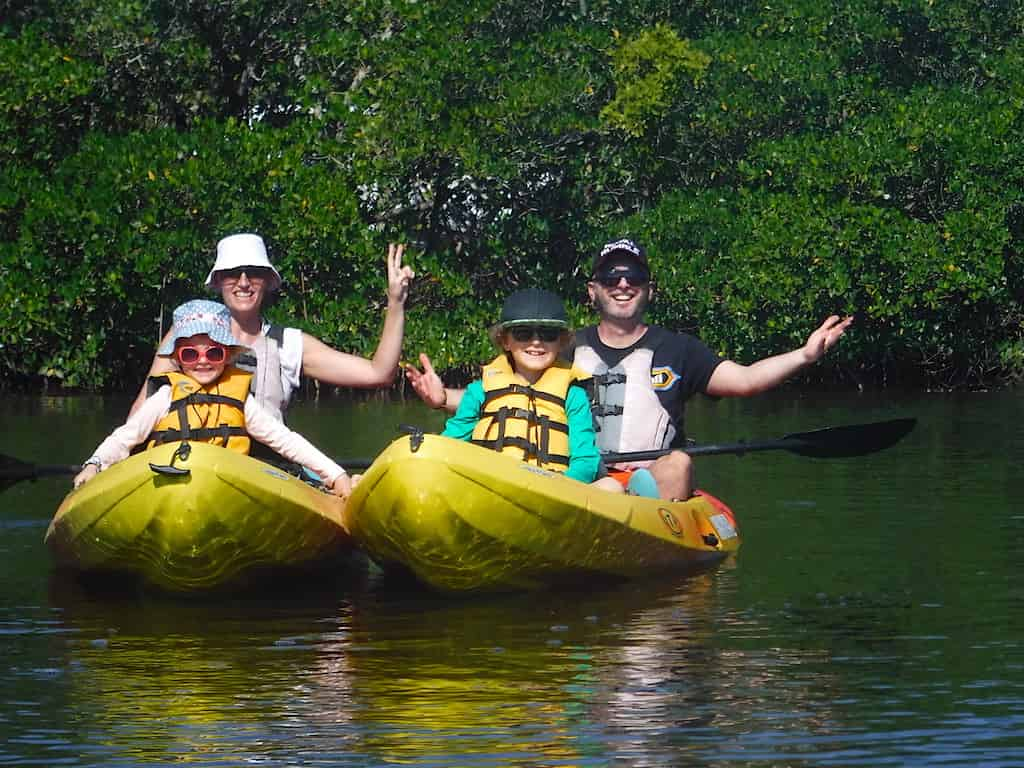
(519, 389)
(202, 398)
(522, 413)
(203, 433)
(528, 448)
(545, 437)
(604, 379)
(541, 449)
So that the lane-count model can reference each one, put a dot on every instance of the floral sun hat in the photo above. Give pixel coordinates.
(201, 316)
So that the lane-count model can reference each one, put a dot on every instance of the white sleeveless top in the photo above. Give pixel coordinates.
(278, 368)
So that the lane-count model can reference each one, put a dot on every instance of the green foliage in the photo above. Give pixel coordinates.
(782, 162)
(647, 72)
(42, 104)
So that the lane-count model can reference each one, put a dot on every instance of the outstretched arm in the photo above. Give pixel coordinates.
(330, 366)
(264, 427)
(428, 385)
(119, 443)
(734, 380)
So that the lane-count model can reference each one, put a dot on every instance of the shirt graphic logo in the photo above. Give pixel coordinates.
(663, 378)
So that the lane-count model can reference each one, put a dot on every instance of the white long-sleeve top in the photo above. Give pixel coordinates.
(259, 423)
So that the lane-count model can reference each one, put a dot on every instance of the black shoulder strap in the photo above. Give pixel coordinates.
(203, 398)
(153, 383)
(276, 332)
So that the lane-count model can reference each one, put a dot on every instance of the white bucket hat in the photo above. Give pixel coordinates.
(243, 250)
(201, 316)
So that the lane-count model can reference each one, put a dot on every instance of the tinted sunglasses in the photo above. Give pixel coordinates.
(190, 355)
(547, 333)
(253, 273)
(634, 278)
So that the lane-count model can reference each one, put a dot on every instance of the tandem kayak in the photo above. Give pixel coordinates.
(459, 517)
(196, 516)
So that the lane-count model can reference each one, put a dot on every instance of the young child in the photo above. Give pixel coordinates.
(528, 401)
(208, 401)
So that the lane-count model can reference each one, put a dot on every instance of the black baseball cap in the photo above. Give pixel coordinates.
(621, 247)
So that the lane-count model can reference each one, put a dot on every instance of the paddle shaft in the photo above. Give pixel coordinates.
(14, 471)
(49, 470)
(708, 449)
(829, 443)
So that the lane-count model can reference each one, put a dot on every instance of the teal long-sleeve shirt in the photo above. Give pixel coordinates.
(584, 459)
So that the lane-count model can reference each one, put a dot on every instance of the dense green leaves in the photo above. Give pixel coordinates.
(781, 161)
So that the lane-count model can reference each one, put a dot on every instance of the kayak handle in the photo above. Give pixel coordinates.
(182, 452)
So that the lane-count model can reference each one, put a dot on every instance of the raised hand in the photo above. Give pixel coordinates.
(399, 276)
(427, 383)
(826, 337)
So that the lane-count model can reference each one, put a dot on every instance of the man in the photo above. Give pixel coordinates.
(644, 374)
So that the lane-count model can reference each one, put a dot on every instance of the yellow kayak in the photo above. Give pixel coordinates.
(208, 518)
(461, 517)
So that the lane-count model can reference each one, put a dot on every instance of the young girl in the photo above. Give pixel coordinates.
(208, 401)
(528, 402)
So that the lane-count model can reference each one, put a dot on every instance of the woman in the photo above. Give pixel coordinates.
(245, 279)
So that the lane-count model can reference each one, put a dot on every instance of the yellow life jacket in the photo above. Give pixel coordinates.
(211, 414)
(527, 421)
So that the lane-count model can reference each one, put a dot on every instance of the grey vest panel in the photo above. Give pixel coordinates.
(627, 412)
(265, 366)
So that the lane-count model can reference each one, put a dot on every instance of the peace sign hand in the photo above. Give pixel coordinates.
(399, 276)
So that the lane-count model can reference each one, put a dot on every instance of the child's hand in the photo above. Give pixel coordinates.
(426, 383)
(89, 471)
(342, 485)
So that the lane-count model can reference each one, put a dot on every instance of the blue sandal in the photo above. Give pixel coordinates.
(642, 483)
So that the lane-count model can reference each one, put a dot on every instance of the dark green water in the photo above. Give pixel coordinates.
(874, 616)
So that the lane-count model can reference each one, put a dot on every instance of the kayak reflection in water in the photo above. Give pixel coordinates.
(208, 401)
(528, 402)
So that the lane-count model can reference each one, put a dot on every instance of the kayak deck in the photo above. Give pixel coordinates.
(226, 519)
(460, 517)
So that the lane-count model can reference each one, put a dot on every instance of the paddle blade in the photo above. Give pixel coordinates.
(14, 470)
(852, 440)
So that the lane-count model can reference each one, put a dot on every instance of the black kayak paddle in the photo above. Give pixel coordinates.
(828, 443)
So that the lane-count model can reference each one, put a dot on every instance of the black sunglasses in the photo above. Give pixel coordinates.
(254, 273)
(546, 333)
(633, 277)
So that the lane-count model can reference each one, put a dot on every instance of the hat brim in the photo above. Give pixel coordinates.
(188, 330)
(548, 323)
(601, 261)
(495, 331)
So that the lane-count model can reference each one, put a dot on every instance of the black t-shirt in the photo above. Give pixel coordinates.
(681, 366)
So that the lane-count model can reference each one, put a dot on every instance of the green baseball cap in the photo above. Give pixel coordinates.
(533, 306)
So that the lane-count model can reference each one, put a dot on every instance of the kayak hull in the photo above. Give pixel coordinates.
(223, 520)
(462, 518)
